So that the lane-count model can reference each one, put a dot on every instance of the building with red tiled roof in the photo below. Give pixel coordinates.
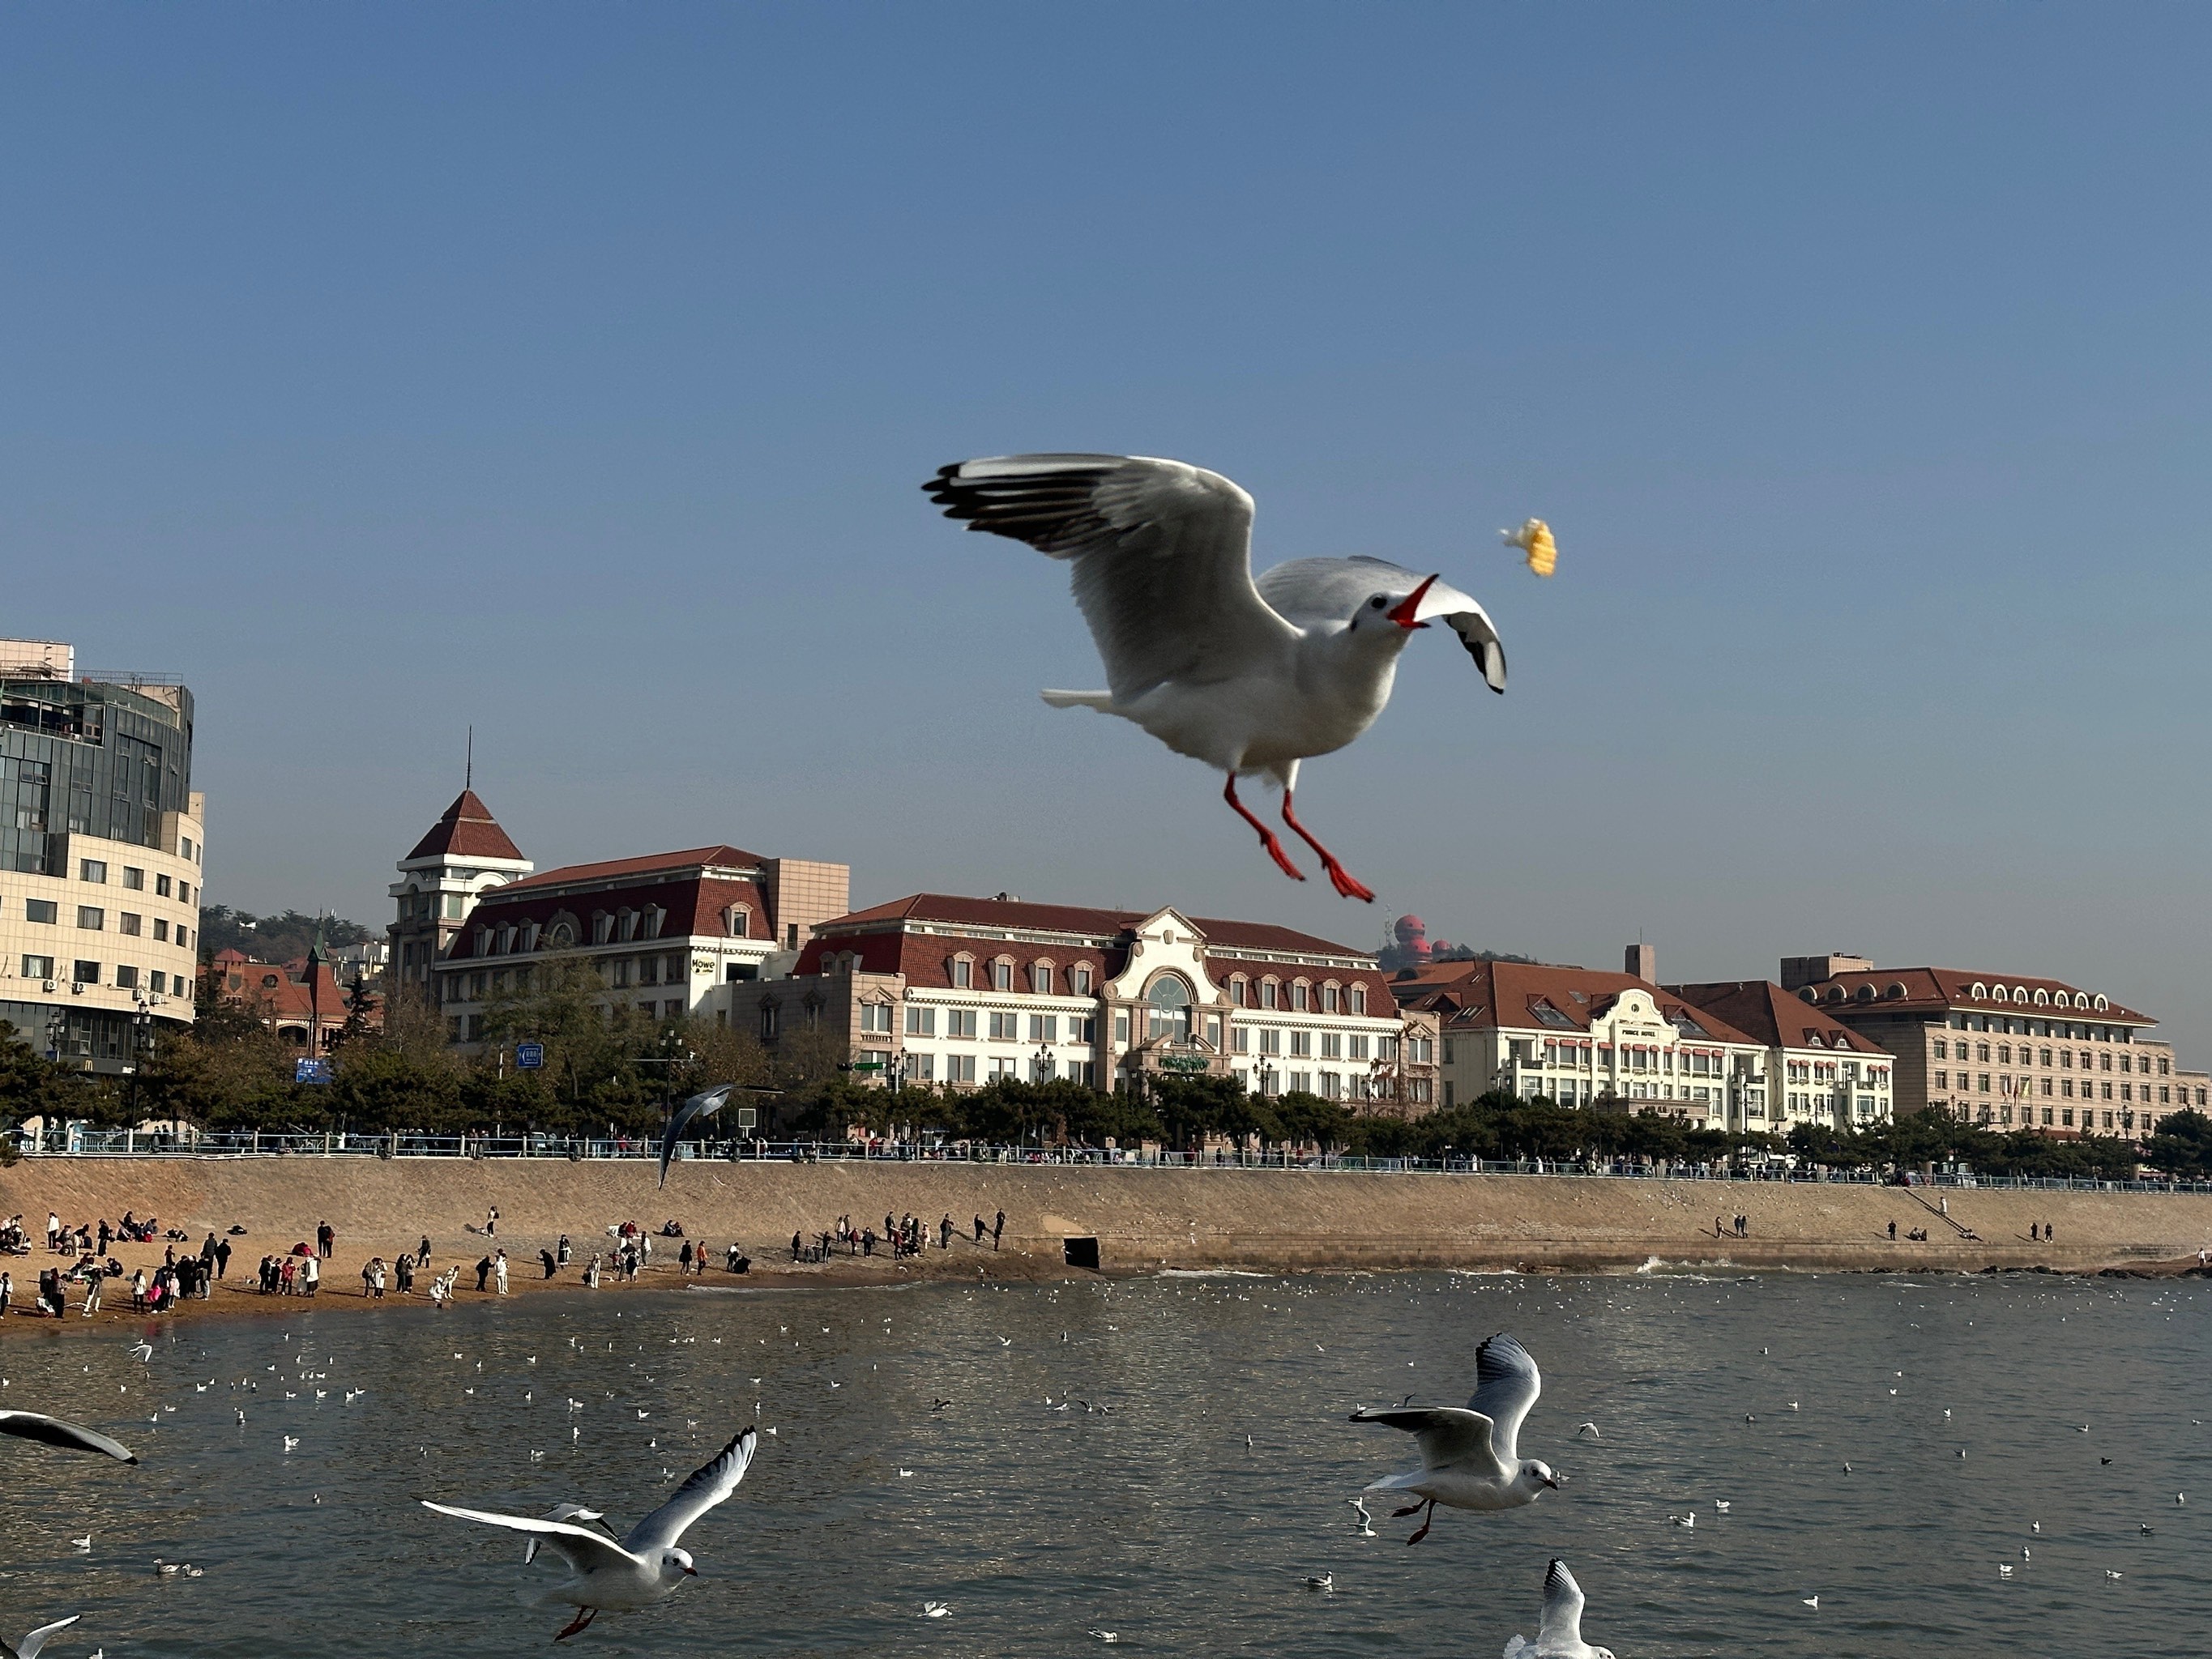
(660, 933)
(2008, 1051)
(938, 988)
(1584, 1037)
(301, 1001)
(1818, 1070)
(462, 856)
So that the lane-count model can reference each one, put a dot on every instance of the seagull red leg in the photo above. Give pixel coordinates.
(583, 1616)
(1346, 884)
(1429, 1522)
(1266, 835)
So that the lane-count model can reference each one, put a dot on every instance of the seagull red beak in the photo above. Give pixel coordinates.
(690, 1572)
(1405, 611)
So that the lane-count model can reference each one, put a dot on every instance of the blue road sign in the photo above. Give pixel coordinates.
(311, 1071)
(529, 1056)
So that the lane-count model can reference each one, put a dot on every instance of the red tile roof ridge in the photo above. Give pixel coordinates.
(468, 829)
(723, 855)
(959, 910)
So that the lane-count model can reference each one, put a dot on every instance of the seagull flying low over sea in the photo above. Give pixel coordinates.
(29, 1646)
(53, 1431)
(1250, 678)
(1560, 1635)
(705, 1104)
(646, 1566)
(1470, 1458)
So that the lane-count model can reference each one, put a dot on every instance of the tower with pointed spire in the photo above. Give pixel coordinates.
(464, 855)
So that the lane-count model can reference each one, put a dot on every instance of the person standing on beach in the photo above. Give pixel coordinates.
(327, 1241)
(422, 1252)
(491, 1221)
(998, 1226)
(683, 1260)
(222, 1257)
(92, 1293)
(945, 1232)
(979, 1230)
(53, 1232)
(561, 1251)
(483, 1273)
(795, 1247)
(592, 1273)
(311, 1275)
(545, 1260)
(499, 1272)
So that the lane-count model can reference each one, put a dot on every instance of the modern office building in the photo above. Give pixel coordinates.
(936, 989)
(101, 846)
(2008, 1051)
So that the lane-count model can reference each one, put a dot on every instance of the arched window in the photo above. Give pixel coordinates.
(1041, 978)
(1978, 991)
(2019, 994)
(740, 922)
(2042, 996)
(1270, 993)
(1078, 980)
(1168, 1012)
(1998, 994)
(1301, 996)
(2081, 999)
(2100, 1004)
(1002, 973)
(1330, 998)
(1360, 999)
(1896, 988)
(1866, 993)
(961, 971)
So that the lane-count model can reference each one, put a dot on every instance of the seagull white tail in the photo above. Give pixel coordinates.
(1078, 699)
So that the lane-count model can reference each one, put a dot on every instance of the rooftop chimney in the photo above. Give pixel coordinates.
(1643, 961)
(1798, 972)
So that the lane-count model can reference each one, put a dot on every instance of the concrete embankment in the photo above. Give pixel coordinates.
(1143, 1219)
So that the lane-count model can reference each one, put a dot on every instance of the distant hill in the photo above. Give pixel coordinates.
(278, 937)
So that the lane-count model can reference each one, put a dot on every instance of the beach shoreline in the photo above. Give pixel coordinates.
(1142, 1220)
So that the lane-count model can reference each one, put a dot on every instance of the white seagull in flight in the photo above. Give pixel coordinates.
(1251, 677)
(646, 1566)
(1470, 1458)
(1560, 1635)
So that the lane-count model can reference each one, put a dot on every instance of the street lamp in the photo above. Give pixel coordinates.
(1041, 1064)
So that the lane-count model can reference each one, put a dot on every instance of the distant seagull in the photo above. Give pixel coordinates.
(1324, 1581)
(1814, 1603)
(1685, 1520)
(69, 1436)
(935, 1610)
(85, 1543)
(1364, 1526)
(646, 1567)
(291, 1441)
(2004, 1569)
(1720, 1504)
(29, 1646)
(1248, 677)
(2109, 1573)
(1471, 1459)
(1104, 1635)
(1560, 1634)
(1589, 1429)
(704, 1105)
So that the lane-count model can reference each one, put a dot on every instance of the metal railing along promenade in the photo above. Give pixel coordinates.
(79, 1141)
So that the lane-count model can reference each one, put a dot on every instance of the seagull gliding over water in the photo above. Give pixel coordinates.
(1470, 1458)
(1560, 1635)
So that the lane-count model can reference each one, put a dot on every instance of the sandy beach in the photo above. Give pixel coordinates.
(1143, 1220)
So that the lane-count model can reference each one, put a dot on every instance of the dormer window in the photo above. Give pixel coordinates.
(655, 915)
(1301, 997)
(626, 924)
(1240, 990)
(740, 919)
(963, 973)
(1041, 978)
(484, 941)
(531, 931)
(1270, 993)
(603, 926)
(1360, 999)
(1329, 997)
(1078, 980)
(1002, 975)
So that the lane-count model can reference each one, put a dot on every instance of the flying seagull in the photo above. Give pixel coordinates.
(704, 1105)
(53, 1431)
(1470, 1459)
(1251, 677)
(1560, 1635)
(29, 1646)
(646, 1566)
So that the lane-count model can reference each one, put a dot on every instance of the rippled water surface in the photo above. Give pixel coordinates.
(1038, 1522)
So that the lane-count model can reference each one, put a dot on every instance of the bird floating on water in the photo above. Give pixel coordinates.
(1250, 678)
(1560, 1634)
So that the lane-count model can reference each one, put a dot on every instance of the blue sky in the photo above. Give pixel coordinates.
(570, 370)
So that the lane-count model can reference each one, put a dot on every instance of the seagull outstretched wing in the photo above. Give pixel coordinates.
(1563, 1611)
(706, 1487)
(1161, 551)
(53, 1431)
(583, 1549)
(1448, 1438)
(1320, 593)
(36, 1639)
(1505, 1385)
(704, 1105)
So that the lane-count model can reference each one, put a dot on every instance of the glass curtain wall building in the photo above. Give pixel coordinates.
(100, 854)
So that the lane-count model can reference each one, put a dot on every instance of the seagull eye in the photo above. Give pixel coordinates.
(1379, 601)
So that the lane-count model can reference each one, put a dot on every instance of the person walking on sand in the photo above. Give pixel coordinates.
(499, 1272)
(979, 1230)
(998, 1226)
(945, 1232)
(683, 1260)
(92, 1293)
(376, 1277)
(7, 1292)
(53, 1232)
(222, 1257)
(545, 1260)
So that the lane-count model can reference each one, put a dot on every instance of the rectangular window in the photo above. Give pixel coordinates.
(673, 1009)
(1005, 1066)
(964, 974)
(960, 1023)
(920, 1021)
(92, 870)
(133, 877)
(1268, 990)
(126, 979)
(922, 1068)
(1942, 1080)
(1359, 1050)
(1302, 1044)
(91, 917)
(2046, 1085)
(960, 1068)
(1044, 1028)
(1360, 999)
(2043, 1056)
(1332, 1045)
(1302, 1083)
(126, 922)
(2108, 1092)
(1002, 976)
(1240, 1040)
(770, 1019)
(1332, 1086)
(1082, 1028)
(1985, 1085)
(876, 1017)
(37, 967)
(161, 887)
(1078, 981)
(648, 971)
(621, 966)
(160, 931)
(1121, 1027)
(1041, 978)
(1006, 1028)
(2067, 1118)
(1939, 1050)
(87, 973)
(1271, 1042)
(38, 910)
(184, 936)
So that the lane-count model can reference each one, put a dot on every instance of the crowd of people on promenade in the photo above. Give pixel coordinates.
(904, 1235)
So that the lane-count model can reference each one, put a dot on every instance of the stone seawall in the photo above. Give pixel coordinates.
(1144, 1219)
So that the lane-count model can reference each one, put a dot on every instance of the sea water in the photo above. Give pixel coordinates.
(1165, 1459)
